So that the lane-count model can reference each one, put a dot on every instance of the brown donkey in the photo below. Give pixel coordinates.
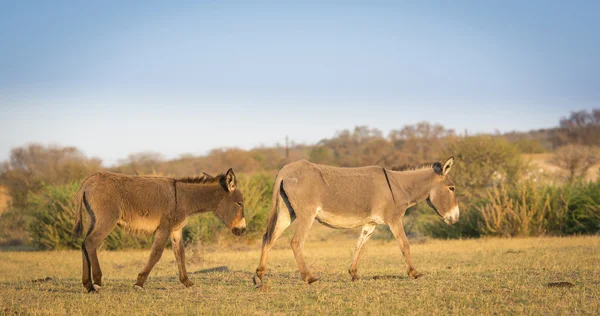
(353, 197)
(152, 205)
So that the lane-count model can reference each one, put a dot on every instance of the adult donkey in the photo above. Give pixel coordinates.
(152, 205)
(353, 197)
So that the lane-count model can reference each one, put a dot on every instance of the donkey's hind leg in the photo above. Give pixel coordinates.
(99, 229)
(365, 234)
(92, 242)
(285, 216)
(304, 225)
(158, 246)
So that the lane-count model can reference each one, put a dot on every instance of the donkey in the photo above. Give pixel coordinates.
(353, 197)
(152, 205)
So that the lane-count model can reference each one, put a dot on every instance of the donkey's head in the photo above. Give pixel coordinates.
(441, 196)
(231, 208)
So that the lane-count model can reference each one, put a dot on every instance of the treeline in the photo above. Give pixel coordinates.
(494, 182)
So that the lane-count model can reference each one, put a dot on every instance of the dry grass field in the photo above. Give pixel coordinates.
(485, 276)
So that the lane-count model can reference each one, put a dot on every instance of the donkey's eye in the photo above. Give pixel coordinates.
(451, 189)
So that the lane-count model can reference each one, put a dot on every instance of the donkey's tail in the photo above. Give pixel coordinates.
(78, 227)
(277, 186)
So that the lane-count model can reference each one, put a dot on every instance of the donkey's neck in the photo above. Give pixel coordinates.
(198, 198)
(414, 185)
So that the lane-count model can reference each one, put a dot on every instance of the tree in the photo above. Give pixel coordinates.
(581, 127)
(482, 161)
(421, 142)
(31, 166)
(575, 159)
(321, 154)
(140, 163)
(219, 160)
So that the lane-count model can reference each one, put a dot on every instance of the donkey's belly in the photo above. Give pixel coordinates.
(146, 226)
(337, 220)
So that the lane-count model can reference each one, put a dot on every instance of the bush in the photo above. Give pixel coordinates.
(484, 161)
(530, 146)
(522, 212)
(53, 214)
(528, 209)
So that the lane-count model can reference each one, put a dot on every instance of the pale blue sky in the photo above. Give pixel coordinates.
(187, 76)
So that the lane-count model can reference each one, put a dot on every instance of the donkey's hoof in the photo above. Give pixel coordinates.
(312, 280)
(188, 283)
(138, 288)
(355, 278)
(415, 275)
(92, 289)
(256, 280)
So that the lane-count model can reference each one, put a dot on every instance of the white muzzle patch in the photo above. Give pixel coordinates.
(241, 224)
(452, 216)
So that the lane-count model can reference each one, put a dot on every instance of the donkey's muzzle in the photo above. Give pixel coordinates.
(452, 216)
(238, 231)
(240, 228)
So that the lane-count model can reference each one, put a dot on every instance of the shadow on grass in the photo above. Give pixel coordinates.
(212, 270)
(125, 285)
(388, 277)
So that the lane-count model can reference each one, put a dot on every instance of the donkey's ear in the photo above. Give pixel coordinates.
(230, 180)
(448, 165)
(437, 167)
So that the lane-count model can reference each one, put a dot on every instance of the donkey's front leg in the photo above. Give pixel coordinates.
(397, 229)
(365, 234)
(160, 240)
(179, 250)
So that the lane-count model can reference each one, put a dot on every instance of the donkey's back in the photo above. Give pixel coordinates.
(137, 202)
(354, 193)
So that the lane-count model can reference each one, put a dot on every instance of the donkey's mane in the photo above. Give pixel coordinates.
(409, 167)
(205, 178)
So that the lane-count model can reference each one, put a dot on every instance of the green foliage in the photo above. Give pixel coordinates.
(321, 154)
(203, 228)
(483, 161)
(528, 209)
(122, 239)
(53, 213)
(530, 146)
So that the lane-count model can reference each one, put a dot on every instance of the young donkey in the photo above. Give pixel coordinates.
(152, 205)
(353, 197)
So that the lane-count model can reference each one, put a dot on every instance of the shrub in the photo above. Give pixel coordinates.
(483, 161)
(530, 146)
(53, 214)
(522, 212)
(528, 209)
